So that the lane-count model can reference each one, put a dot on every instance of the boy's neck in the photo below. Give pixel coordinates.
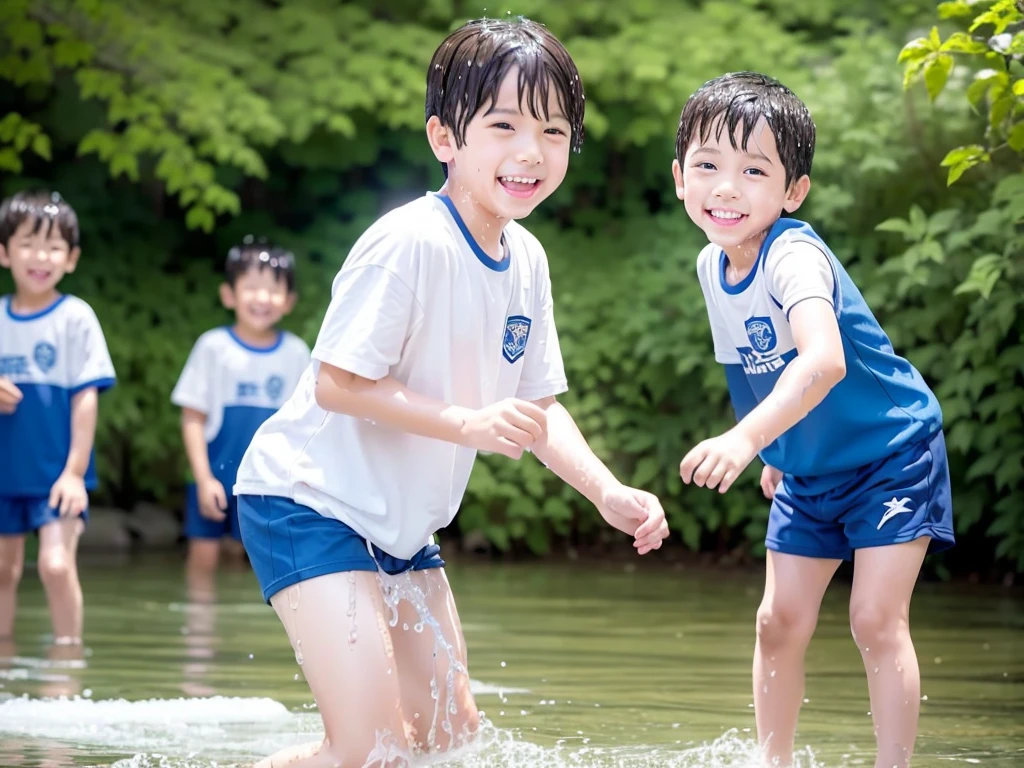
(742, 258)
(23, 303)
(254, 337)
(484, 226)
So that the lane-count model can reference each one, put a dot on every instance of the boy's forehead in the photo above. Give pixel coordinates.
(760, 141)
(510, 100)
(45, 227)
(261, 273)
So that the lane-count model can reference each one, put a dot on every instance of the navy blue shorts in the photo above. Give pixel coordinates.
(23, 514)
(287, 543)
(897, 499)
(199, 527)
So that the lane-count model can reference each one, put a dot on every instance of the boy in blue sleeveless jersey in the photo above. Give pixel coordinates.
(850, 434)
(235, 377)
(53, 363)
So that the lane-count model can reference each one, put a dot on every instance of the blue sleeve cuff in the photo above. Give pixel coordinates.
(100, 384)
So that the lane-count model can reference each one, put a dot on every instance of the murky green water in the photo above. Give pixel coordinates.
(574, 665)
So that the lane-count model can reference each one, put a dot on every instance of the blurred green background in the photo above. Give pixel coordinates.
(176, 127)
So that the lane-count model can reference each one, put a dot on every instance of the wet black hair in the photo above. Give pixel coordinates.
(743, 98)
(468, 68)
(43, 207)
(260, 253)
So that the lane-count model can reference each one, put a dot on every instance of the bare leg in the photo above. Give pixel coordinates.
(786, 620)
(432, 670)
(12, 561)
(200, 568)
(58, 569)
(883, 582)
(337, 628)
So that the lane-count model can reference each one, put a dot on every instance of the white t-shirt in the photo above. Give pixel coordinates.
(50, 356)
(418, 300)
(237, 386)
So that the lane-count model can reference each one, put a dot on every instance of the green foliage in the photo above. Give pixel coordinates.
(967, 262)
(177, 127)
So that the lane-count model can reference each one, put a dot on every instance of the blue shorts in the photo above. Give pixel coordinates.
(199, 527)
(23, 514)
(897, 499)
(287, 543)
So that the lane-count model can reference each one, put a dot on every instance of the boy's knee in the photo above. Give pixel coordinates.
(10, 574)
(873, 624)
(780, 624)
(54, 567)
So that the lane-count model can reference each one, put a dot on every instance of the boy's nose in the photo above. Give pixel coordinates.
(726, 191)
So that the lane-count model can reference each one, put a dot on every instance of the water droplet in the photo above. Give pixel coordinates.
(765, 689)
(876, 670)
(251, 656)
(296, 678)
(924, 698)
(773, 673)
(503, 663)
(938, 659)
(87, 693)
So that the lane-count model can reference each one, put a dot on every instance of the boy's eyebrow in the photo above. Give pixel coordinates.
(504, 111)
(752, 155)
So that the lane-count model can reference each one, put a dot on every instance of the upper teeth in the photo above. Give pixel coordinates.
(725, 214)
(519, 179)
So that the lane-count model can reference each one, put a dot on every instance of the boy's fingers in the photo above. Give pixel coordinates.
(691, 461)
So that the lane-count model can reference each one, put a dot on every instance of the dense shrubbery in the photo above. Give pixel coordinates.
(202, 123)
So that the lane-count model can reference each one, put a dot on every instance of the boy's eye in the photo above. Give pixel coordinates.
(756, 172)
(555, 131)
(503, 126)
(705, 166)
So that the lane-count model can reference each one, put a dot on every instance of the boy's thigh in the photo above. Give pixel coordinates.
(25, 514)
(337, 628)
(903, 498)
(430, 653)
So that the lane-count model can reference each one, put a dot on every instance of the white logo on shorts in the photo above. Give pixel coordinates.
(893, 508)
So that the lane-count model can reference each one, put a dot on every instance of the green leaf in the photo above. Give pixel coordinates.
(962, 159)
(895, 225)
(915, 50)
(1018, 87)
(9, 160)
(936, 73)
(961, 42)
(41, 146)
(952, 10)
(1016, 138)
(933, 39)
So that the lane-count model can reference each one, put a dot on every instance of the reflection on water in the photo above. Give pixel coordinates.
(579, 666)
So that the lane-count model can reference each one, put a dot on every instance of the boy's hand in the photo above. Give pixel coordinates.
(637, 513)
(68, 495)
(508, 427)
(716, 463)
(10, 396)
(212, 499)
(770, 479)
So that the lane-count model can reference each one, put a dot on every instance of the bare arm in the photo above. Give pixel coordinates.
(565, 451)
(84, 410)
(68, 494)
(210, 494)
(820, 364)
(507, 427)
(193, 426)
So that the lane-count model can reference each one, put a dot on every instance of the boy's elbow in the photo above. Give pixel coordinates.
(834, 371)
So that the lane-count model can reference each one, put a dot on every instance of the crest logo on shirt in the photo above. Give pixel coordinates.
(274, 387)
(761, 333)
(45, 355)
(760, 356)
(517, 332)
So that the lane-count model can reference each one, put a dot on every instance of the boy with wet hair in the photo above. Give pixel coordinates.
(235, 377)
(850, 434)
(53, 365)
(439, 342)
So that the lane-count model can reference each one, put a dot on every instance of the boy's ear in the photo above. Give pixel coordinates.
(227, 296)
(289, 302)
(797, 193)
(442, 143)
(72, 262)
(677, 174)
